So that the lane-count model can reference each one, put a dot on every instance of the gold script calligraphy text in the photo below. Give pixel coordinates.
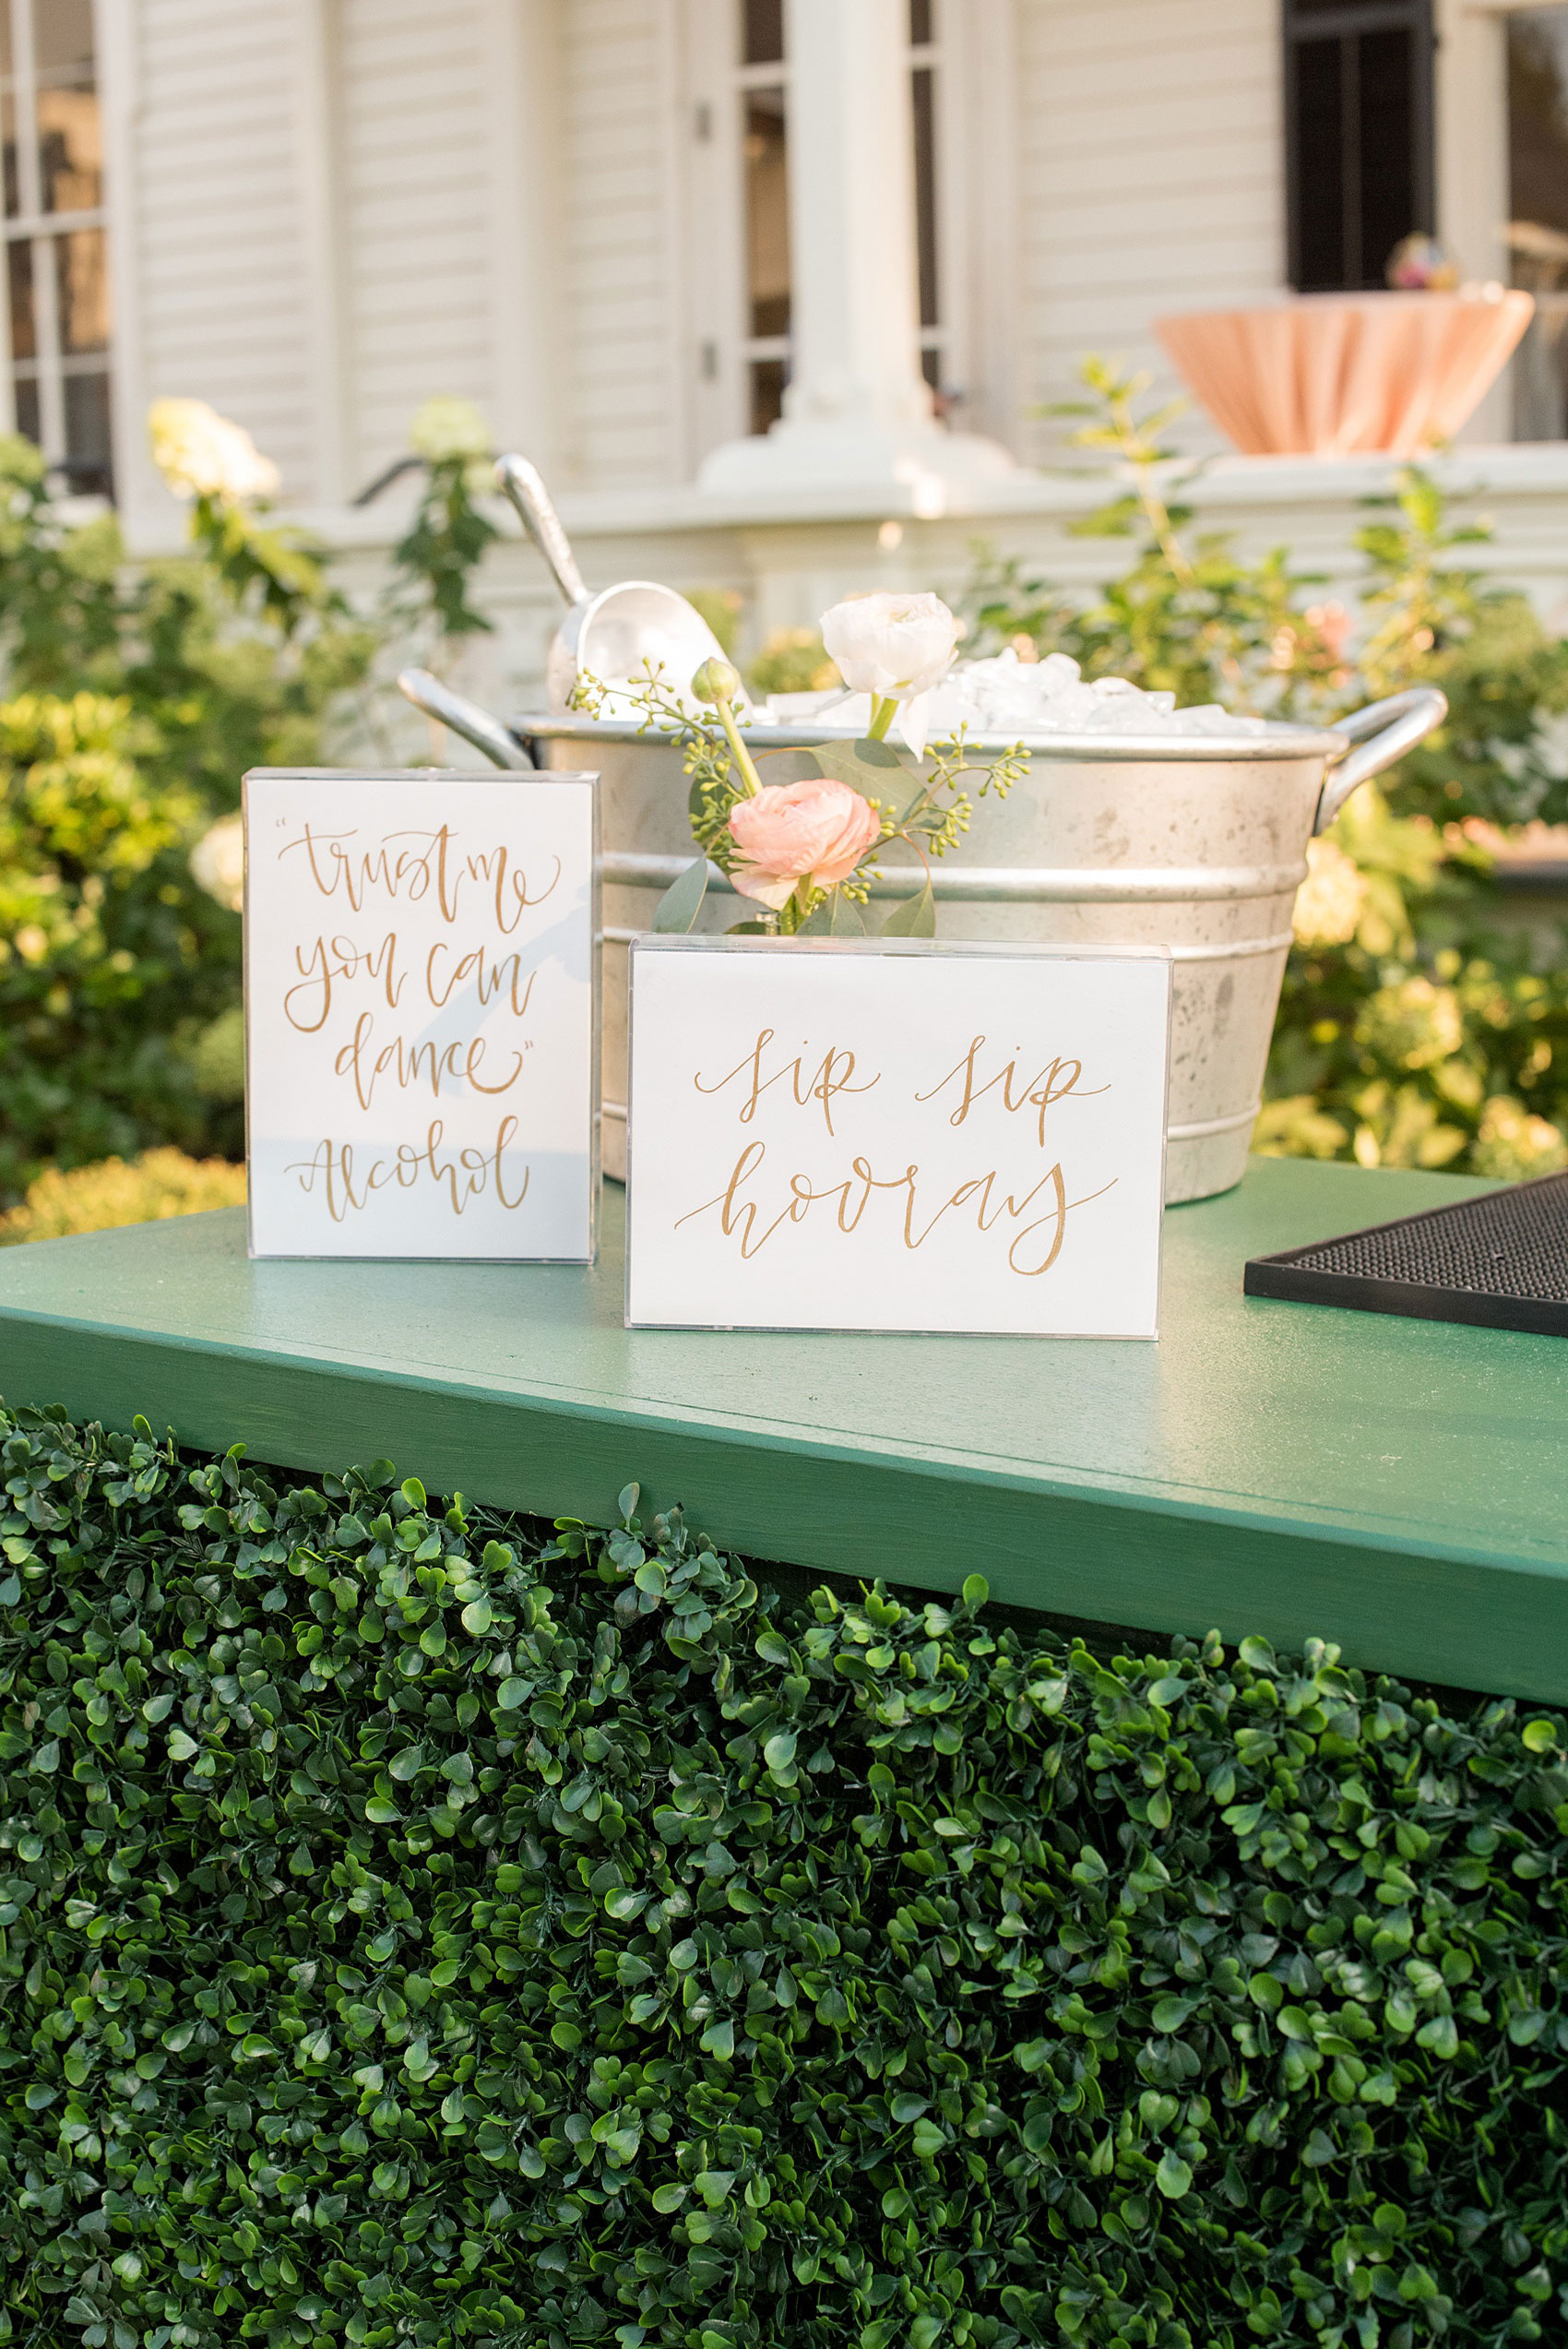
(1033, 1245)
(1052, 1084)
(414, 866)
(833, 1077)
(349, 1178)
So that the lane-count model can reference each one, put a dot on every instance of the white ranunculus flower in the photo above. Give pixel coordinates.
(218, 861)
(445, 428)
(890, 644)
(202, 454)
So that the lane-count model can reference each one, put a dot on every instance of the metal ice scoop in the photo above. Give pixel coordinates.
(619, 634)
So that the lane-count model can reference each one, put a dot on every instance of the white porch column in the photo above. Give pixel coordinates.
(857, 412)
(855, 306)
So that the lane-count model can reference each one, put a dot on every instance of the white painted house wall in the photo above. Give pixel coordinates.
(414, 203)
(1151, 175)
(621, 426)
(208, 223)
(323, 211)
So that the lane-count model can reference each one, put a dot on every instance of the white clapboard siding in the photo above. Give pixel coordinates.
(1150, 176)
(219, 246)
(618, 429)
(413, 193)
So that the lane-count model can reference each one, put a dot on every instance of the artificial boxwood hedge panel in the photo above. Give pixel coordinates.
(420, 1926)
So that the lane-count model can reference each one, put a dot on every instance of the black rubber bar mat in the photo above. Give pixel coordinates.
(1500, 1260)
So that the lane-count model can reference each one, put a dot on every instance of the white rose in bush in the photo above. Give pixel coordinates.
(218, 861)
(202, 454)
(445, 428)
(447, 431)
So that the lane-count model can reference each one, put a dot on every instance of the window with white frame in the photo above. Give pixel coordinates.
(1537, 214)
(925, 76)
(55, 246)
(762, 108)
(742, 374)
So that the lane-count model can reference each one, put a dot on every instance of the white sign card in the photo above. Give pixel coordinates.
(422, 1014)
(829, 1136)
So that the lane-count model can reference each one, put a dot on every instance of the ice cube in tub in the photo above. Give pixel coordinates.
(1003, 695)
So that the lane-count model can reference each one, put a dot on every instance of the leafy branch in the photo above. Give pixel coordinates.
(930, 819)
(1135, 441)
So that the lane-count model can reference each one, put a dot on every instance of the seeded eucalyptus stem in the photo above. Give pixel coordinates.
(733, 735)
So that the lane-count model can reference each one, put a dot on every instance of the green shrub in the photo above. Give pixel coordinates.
(422, 1926)
(793, 661)
(112, 959)
(723, 609)
(1191, 616)
(94, 1198)
(231, 656)
(139, 697)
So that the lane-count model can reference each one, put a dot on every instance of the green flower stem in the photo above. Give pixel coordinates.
(882, 708)
(749, 775)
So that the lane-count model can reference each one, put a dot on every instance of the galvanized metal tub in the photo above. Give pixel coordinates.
(1190, 842)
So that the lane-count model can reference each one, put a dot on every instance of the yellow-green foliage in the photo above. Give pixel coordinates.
(1414, 1029)
(139, 694)
(792, 660)
(92, 1199)
(108, 952)
(75, 784)
(721, 608)
(217, 1058)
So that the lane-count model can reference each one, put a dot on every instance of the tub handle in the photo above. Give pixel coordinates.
(1385, 732)
(465, 717)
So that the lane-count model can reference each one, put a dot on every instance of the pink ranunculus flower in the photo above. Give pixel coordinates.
(819, 829)
(1334, 625)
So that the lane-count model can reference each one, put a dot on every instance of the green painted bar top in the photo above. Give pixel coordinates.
(1395, 1485)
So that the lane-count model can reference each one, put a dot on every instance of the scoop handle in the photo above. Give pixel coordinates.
(525, 487)
(1383, 732)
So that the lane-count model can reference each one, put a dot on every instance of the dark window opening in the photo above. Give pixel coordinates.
(770, 379)
(761, 33)
(925, 191)
(925, 69)
(1358, 136)
(767, 213)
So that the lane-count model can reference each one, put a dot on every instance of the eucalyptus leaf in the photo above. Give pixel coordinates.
(914, 918)
(678, 909)
(836, 917)
(872, 768)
